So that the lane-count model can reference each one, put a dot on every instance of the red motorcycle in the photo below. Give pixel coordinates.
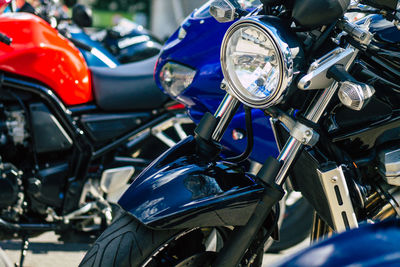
(71, 136)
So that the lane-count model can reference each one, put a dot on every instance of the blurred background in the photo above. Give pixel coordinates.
(162, 17)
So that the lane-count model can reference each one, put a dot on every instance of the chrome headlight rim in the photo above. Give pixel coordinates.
(285, 63)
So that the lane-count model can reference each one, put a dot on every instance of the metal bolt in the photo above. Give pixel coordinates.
(334, 179)
(308, 133)
(223, 86)
(304, 141)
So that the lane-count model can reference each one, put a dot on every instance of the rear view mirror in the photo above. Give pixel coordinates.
(82, 15)
(225, 10)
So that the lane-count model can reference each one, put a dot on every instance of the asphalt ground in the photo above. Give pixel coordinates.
(47, 251)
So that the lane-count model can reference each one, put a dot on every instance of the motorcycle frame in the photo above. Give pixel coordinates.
(83, 147)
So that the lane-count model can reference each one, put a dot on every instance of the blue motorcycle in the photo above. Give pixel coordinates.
(329, 86)
(370, 245)
(189, 70)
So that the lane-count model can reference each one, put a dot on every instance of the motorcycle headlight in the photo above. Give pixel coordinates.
(175, 78)
(257, 62)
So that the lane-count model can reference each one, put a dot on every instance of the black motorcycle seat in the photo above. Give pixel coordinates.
(127, 87)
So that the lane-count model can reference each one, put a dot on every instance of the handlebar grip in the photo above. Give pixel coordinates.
(80, 45)
(5, 39)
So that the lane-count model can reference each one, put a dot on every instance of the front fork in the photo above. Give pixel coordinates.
(274, 171)
(273, 174)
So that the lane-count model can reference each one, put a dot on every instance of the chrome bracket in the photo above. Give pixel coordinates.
(316, 76)
(359, 32)
(338, 196)
(304, 134)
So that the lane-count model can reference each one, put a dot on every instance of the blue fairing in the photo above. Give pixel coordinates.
(181, 190)
(200, 49)
(370, 245)
(385, 32)
(91, 59)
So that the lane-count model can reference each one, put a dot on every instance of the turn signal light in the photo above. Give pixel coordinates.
(355, 95)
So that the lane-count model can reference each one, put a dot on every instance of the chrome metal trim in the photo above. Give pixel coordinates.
(395, 199)
(304, 134)
(287, 156)
(389, 165)
(224, 106)
(165, 139)
(181, 133)
(337, 193)
(293, 147)
(174, 122)
(285, 62)
(76, 213)
(225, 112)
(316, 77)
(139, 137)
(319, 108)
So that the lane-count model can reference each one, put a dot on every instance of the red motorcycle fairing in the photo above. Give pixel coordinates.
(38, 51)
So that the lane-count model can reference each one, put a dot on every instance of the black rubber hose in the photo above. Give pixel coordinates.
(321, 40)
(5, 39)
(80, 45)
(250, 139)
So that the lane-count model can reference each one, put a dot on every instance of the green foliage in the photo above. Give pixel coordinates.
(123, 5)
(103, 18)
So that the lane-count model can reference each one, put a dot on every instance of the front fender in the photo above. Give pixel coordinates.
(179, 190)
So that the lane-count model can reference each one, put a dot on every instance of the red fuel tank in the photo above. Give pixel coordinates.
(38, 51)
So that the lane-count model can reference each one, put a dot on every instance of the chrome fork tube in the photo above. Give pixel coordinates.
(225, 113)
(293, 146)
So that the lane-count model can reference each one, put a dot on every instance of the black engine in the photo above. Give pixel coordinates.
(10, 182)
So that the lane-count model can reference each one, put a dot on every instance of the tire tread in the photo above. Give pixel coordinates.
(119, 244)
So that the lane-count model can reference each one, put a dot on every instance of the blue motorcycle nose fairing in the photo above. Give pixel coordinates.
(200, 50)
(180, 190)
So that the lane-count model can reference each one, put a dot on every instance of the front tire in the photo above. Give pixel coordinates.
(123, 244)
(126, 242)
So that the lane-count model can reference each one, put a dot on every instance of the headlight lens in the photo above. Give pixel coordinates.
(175, 78)
(256, 63)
